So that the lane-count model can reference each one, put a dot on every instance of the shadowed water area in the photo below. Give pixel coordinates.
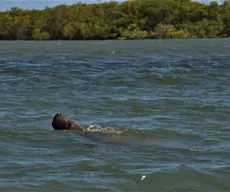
(161, 110)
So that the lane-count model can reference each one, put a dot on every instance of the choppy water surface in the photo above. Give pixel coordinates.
(162, 111)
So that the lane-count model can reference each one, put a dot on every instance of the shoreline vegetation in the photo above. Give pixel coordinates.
(137, 19)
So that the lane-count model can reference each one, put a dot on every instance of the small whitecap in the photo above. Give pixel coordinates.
(192, 150)
(143, 177)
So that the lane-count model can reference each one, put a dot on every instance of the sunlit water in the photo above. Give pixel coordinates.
(161, 109)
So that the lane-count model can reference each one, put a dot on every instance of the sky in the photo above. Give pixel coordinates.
(41, 4)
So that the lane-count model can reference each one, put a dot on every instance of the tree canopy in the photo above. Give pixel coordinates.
(137, 19)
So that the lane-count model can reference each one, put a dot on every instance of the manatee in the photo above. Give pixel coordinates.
(61, 122)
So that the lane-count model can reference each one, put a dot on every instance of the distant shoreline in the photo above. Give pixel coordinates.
(138, 19)
(66, 40)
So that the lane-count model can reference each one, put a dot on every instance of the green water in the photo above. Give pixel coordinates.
(161, 108)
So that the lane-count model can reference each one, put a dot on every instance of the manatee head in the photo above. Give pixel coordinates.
(60, 122)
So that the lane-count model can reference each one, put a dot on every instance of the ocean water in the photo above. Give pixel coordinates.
(161, 110)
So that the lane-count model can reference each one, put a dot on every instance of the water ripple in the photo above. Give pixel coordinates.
(159, 113)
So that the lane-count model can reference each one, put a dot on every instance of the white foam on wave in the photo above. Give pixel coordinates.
(99, 129)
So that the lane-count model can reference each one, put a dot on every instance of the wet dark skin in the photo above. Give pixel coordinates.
(61, 122)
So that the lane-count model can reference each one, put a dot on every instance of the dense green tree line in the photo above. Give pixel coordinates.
(138, 19)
